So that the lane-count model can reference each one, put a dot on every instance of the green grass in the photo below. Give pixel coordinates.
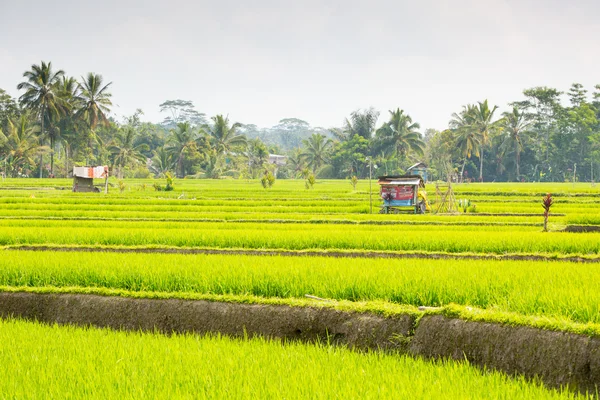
(93, 363)
(561, 290)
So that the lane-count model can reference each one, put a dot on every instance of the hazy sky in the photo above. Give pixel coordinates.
(263, 60)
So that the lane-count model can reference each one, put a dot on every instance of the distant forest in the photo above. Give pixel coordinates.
(59, 121)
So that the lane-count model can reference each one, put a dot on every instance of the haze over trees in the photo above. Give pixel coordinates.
(59, 121)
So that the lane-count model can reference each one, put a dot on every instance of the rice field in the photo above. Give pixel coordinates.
(523, 287)
(471, 238)
(233, 216)
(76, 363)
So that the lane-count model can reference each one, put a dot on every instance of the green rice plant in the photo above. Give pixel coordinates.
(561, 290)
(40, 361)
(464, 204)
(495, 239)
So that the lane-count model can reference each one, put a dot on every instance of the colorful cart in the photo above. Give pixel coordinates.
(405, 193)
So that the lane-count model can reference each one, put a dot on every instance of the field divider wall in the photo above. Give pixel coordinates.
(557, 358)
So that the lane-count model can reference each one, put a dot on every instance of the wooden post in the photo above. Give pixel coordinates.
(106, 181)
(370, 189)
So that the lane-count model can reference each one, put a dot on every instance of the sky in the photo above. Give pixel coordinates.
(260, 61)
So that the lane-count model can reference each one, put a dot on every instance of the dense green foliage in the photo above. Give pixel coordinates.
(67, 122)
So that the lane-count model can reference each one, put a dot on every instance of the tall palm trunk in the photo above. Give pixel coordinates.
(42, 143)
(180, 165)
(518, 159)
(462, 170)
(481, 165)
(52, 155)
(66, 161)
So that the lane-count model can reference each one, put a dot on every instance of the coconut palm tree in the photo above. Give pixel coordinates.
(215, 166)
(125, 149)
(224, 137)
(361, 123)
(67, 125)
(162, 162)
(94, 100)
(467, 139)
(42, 98)
(257, 155)
(94, 103)
(400, 135)
(295, 163)
(181, 143)
(484, 126)
(316, 151)
(515, 123)
(20, 144)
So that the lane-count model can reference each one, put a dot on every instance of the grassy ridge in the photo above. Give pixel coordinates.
(560, 290)
(86, 363)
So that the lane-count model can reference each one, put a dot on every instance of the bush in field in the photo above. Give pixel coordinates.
(310, 181)
(354, 181)
(122, 186)
(268, 179)
(169, 186)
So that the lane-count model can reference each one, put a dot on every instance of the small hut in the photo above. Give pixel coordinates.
(278, 161)
(83, 178)
(418, 169)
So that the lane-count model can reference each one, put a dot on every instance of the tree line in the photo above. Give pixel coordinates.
(59, 121)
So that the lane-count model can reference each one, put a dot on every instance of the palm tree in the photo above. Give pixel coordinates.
(67, 90)
(484, 126)
(41, 96)
(20, 144)
(215, 166)
(515, 123)
(125, 149)
(181, 142)
(361, 123)
(400, 135)
(467, 139)
(94, 102)
(257, 154)
(162, 162)
(295, 163)
(222, 136)
(316, 151)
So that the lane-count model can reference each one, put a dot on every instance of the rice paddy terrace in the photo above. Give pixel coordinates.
(312, 267)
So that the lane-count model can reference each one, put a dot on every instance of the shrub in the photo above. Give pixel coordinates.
(268, 180)
(167, 188)
(354, 181)
(310, 181)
